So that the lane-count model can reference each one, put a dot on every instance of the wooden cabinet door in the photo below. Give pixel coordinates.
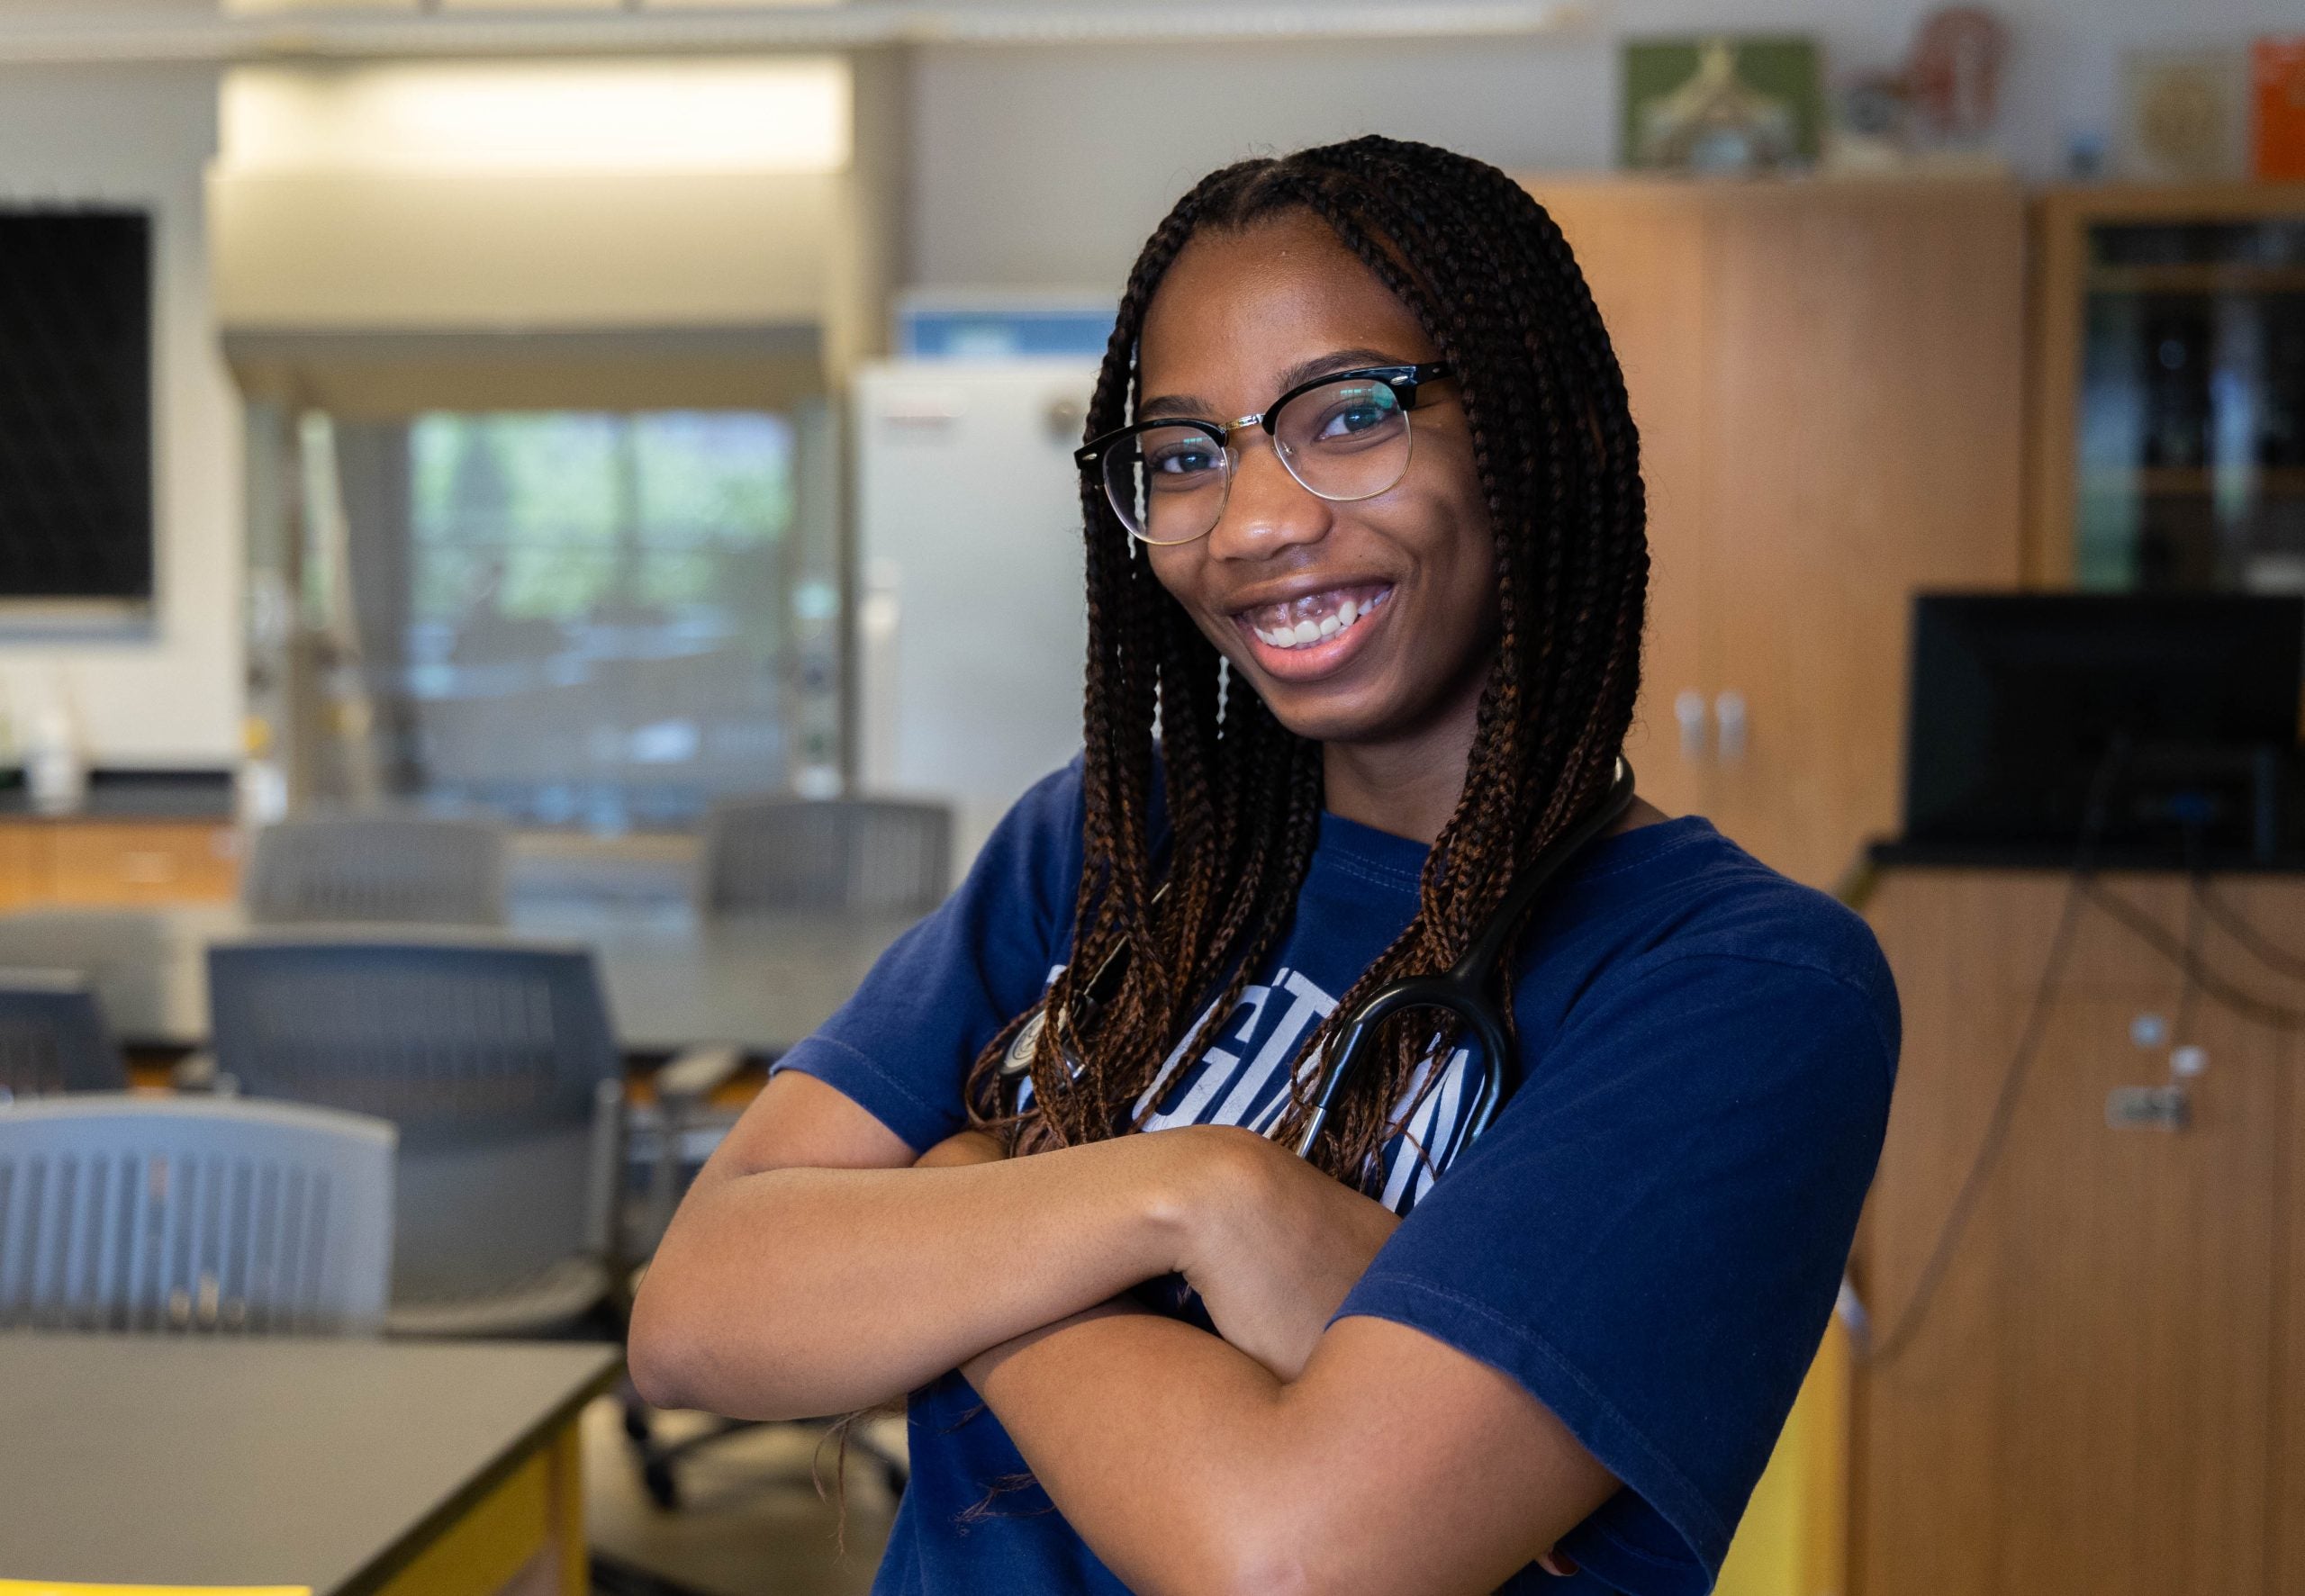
(1642, 248)
(119, 861)
(2276, 906)
(1827, 379)
(2089, 1406)
(23, 864)
(1862, 443)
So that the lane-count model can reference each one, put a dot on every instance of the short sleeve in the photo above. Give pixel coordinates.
(1650, 1237)
(902, 1044)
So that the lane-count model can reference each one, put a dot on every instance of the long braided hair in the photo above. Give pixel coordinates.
(1489, 276)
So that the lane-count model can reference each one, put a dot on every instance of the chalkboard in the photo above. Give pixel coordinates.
(75, 404)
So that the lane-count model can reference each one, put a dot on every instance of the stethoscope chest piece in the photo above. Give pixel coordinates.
(1019, 1061)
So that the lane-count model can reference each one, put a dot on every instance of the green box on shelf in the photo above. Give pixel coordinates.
(1732, 102)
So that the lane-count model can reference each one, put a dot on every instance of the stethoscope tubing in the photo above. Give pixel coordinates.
(1461, 992)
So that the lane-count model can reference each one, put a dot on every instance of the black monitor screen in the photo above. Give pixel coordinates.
(2022, 703)
(75, 404)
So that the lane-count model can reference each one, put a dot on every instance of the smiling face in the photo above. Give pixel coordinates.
(1409, 576)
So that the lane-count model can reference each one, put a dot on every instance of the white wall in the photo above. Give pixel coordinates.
(169, 694)
(1048, 165)
(1030, 166)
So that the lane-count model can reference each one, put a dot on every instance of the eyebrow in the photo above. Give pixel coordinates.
(1304, 371)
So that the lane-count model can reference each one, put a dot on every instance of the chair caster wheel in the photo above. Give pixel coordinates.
(663, 1490)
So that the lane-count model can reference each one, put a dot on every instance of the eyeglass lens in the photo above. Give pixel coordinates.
(1342, 440)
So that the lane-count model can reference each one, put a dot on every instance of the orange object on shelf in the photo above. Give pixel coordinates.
(2278, 68)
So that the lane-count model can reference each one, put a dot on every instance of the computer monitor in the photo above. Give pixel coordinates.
(2178, 711)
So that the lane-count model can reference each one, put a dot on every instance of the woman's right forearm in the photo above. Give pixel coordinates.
(798, 1292)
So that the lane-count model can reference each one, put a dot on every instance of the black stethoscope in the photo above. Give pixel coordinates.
(1461, 992)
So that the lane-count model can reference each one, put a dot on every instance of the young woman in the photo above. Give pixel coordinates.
(1365, 545)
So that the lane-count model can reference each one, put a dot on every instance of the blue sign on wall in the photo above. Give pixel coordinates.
(1010, 332)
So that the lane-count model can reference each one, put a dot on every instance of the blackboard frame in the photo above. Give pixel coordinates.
(77, 427)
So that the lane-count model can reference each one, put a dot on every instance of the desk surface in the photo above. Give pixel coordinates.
(150, 1459)
(674, 980)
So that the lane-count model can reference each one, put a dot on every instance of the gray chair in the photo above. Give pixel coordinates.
(52, 1036)
(391, 867)
(196, 1214)
(772, 853)
(777, 854)
(496, 1061)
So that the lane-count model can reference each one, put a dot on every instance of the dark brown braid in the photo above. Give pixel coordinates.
(1488, 276)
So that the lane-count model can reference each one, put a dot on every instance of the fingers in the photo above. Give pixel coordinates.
(969, 1147)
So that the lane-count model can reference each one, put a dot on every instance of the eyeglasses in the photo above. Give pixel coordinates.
(1342, 437)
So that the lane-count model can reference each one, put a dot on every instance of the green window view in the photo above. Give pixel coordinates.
(611, 619)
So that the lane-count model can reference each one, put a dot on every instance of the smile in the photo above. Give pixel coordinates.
(1316, 634)
(1314, 619)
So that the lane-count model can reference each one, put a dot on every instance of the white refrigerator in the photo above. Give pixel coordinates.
(971, 623)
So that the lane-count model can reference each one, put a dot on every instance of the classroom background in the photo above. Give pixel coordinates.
(537, 535)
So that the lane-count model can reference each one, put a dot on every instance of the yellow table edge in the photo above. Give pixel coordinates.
(66, 1588)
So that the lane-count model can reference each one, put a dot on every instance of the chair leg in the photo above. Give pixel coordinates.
(895, 1471)
(659, 1461)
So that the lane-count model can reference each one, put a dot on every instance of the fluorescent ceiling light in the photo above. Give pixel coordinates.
(789, 114)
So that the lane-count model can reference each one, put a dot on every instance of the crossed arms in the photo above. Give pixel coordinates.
(816, 1267)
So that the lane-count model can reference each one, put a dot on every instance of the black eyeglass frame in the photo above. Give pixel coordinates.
(1406, 381)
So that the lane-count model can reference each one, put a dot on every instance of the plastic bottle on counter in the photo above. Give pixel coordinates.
(55, 767)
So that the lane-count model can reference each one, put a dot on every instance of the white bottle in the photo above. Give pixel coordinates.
(56, 771)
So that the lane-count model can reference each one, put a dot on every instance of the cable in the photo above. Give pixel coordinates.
(2004, 1111)
(2199, 982)
(2274, 1016)
(2189, 988)
(2256, 944)
(2094, 813)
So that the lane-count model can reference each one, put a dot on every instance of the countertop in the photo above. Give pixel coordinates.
(192, 795)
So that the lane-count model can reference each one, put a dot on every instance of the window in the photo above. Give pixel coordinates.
(579, 617)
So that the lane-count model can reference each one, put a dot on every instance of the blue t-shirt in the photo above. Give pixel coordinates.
(1648, 1237)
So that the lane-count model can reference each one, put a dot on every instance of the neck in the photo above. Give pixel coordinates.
(1408, 786)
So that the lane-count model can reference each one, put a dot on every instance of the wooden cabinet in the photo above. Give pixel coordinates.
(23, 874)
(2106, 1393)
(2168, 394)
(1827, 375)
(106, 862)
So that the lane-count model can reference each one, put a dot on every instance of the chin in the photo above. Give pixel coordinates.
(1322, 718)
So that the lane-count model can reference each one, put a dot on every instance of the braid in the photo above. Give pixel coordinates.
(1494, 285)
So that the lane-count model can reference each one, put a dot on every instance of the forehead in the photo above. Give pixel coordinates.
(1237, 308)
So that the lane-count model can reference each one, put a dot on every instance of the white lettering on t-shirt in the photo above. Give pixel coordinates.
(1434, 1132)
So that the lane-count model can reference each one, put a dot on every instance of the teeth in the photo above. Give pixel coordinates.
(1308, 631)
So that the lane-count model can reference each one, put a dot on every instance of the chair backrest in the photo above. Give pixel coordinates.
(766, 853)
(193, 1213)
(52, 1036)
(495, 1059)
(404, 868)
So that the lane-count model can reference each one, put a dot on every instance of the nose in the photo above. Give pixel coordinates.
(1266, 509)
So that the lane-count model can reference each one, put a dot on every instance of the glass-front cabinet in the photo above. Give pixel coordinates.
(2170, 393)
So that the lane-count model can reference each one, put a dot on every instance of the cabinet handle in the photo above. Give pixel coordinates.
(1688, 708)
(1729, 709)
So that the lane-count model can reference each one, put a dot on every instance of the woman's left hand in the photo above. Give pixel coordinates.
(1271, 1244)
(966, 1147)
(1274, 1244)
